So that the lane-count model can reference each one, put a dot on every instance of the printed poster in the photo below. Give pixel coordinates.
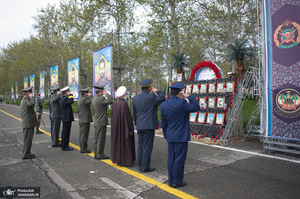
(54, 77)
(17, 93)
(32, 82)
(102, 67)
(42, 84)
(12, 91)
(26, 82)
(73, 77)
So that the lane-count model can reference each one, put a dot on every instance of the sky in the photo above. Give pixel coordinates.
(16, 19)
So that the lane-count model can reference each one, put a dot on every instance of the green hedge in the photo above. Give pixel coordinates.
(248, 107)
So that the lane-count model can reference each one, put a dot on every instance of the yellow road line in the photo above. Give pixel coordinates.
(138, 175)
(10, 115)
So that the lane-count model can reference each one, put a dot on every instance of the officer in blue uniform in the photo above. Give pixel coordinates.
(67, 117)
(176, 129)
(145, 118)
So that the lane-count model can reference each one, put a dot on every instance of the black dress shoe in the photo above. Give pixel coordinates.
(67, 149)
(32, 155)
(86, 151)
(56, 145)
(148, 170)
(179, 185)
(38, 132)
(28, 157)
(102, 158)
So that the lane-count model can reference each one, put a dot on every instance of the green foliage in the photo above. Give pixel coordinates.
(17, 102)
(238, 50)
(200, 29)
(46, 104)
(179, 61)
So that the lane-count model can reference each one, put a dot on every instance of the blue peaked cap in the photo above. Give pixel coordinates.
(146, 82)
(177, 85)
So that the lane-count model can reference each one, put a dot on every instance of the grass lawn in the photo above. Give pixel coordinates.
(248, 107)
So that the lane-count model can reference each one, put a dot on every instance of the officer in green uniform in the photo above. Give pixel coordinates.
(55, 116)
(29, 121)
(38, 111)
(99, 104)
(85, 118)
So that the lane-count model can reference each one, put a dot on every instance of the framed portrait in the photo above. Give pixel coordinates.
(201, 118)
(220, 102)
(210, 118)
(193, 117)
(211, 102)
(230, 87)
(203, 88)
(220, 119)
(220, 87)
(179, 77)
(211, 88)
(188, 88)
(202, 102)
(195, 89)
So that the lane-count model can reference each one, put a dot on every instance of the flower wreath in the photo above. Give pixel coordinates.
(205, 64)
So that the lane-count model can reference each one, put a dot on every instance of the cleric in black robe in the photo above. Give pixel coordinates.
(122, 131)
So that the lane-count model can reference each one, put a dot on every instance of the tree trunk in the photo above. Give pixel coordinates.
(174, 26)
(240, 68)
(229, 27)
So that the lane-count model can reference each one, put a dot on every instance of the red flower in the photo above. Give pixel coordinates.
(205, 64)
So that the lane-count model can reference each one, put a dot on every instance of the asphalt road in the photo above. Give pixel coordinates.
(237, 171)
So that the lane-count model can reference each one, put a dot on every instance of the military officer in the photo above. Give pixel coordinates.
(176, 129)
(29, 121)
(145, 118)
(99, 104)
(55, 116)
(38, 111)
(67, 117)
(85, 118)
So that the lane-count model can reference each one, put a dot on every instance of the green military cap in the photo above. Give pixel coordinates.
(55, 88)
(27, 89)
(99, 87)
(86, 90)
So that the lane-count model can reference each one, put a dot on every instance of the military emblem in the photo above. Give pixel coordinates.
(286, 104)
(287, 34)
(288, 100)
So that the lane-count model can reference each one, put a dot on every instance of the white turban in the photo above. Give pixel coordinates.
(121, 91)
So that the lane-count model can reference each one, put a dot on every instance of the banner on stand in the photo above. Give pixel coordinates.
(17, 92)
(12, 91)
(42, 84)
(283, 68)
(26, 82)
(102, 67)
(54, 77)
(73, 77)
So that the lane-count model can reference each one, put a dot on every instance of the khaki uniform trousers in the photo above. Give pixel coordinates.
(100, 136)
(84, 135)
(28, 136)
(55, 130)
